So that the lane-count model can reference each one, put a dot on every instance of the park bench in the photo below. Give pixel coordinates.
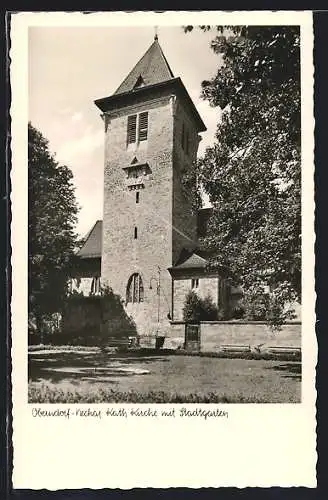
(121, 342)
(235, 348)
(283, 350)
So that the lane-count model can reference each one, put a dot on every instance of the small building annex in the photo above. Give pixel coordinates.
(190, 272)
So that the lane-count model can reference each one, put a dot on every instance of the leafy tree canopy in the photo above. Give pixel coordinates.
(252, 173)
(52, 215)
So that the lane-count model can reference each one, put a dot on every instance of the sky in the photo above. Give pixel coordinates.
(70, 67)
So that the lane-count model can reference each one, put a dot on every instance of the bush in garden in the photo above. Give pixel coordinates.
(238, 311)
(256, 307)
(93, 320)
(266, 306)
(115, 320)
(197, 309)
(209, 309)
(192, 309)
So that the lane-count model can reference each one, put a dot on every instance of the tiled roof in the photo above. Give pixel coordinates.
(194, 261)
(92, 247)
(93, 243)
(152, 68)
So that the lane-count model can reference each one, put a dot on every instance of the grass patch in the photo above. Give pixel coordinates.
(296, 356)
(157, 377)
(70, 348)
(46, 394)
(251, 355)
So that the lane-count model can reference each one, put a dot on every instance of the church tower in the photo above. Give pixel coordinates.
(151, 137)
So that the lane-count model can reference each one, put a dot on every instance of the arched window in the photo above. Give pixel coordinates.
(135, 289)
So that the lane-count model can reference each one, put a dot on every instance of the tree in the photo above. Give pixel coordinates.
(192, 309)
(52, 215)
(252, 173)
(198, 309)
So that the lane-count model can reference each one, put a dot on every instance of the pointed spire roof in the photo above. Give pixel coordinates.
(151, 69)
(150, 76)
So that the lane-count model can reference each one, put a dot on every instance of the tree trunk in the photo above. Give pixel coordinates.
(38, 321)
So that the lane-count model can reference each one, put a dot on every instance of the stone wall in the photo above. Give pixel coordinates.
(176, 336)
(216, 334)
(182, 285)
(180, 289)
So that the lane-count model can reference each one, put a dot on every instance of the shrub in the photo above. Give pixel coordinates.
(49, 323)
(197, 309)
(115, 321)
(256, 307)
(93, 320)
(269, 307)
(192, 309)
(209, 309)
(238, 312)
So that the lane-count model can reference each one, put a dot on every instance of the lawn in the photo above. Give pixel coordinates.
(94, 376)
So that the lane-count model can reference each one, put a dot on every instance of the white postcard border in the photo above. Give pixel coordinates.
(257, 445)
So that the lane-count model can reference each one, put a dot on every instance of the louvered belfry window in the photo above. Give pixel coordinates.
(135, 289)
(132, 128)
(143, 126)
(137, 123)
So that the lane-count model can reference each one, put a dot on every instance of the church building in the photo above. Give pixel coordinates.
(146, 247)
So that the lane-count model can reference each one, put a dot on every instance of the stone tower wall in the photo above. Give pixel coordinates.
(122, 254)
(183, 215)
(163, 217)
